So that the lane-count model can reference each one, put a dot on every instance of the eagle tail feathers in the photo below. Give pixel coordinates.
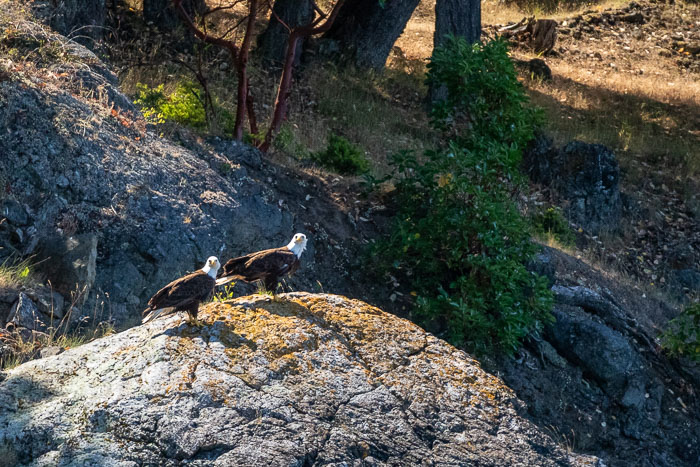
(153, 315)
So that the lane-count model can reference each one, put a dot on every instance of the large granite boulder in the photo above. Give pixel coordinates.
(299, 380)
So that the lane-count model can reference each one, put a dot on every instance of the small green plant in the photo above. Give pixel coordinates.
(225, 294)
(15, 273)
(342, 156)
(225, 168)
(183, 106)
(682, 337)
(552, 225)
(458, 237)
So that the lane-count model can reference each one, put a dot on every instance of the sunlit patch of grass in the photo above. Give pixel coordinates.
(15, 273)
(263, 291)
(642, 118)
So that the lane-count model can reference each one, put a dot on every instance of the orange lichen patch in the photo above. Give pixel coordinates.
(364, 325)
(286, 365)
(216, 391)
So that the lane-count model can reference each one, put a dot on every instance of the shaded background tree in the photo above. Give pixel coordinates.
(285, 15)
(366, 30)
(163, 14)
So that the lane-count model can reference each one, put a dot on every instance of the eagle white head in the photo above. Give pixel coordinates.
(298, 244)
(212, 266)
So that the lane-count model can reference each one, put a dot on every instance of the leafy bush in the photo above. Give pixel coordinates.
(342, 156)
(682, 338)
(458, 236)
(183, 106)
(552, 223)
(485, 101)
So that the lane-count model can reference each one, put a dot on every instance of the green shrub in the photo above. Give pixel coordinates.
(458, 236)
(342, 156)
(183, 106)
(682, 338)
(551, 223)
(485, 101)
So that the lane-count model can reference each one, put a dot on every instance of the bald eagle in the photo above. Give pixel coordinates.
(266, 265)
(184, 294)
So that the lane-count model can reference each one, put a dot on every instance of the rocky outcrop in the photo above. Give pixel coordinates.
(598, 378)
(585, 176)
(101, 202)
(301, 380)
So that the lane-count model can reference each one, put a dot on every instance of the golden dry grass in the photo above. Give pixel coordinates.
(642, 105)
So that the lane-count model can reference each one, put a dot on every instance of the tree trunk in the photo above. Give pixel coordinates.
(272, 43)
(163, 15)
(455, 18)
(366, 31)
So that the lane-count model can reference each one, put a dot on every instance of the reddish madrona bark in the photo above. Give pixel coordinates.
(319, 25)
(239, 57)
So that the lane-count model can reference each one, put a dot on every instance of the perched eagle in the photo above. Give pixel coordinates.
(267, 265)
(184, 294)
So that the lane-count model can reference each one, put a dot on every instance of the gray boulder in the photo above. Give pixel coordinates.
(25, 314)
(301, 380)
(604, 354)
(585, 176)
(70, 263)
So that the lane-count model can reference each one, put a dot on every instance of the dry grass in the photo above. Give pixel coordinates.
(60, 333)
(645, 119)
(25, 350)
(15, 273)
(381, 114)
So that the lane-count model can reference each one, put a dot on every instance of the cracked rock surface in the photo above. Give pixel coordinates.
(300, 380)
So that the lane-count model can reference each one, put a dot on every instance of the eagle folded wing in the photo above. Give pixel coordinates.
(193, 287)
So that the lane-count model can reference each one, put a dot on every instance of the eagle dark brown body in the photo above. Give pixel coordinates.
(266, 265)
(184, 294)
